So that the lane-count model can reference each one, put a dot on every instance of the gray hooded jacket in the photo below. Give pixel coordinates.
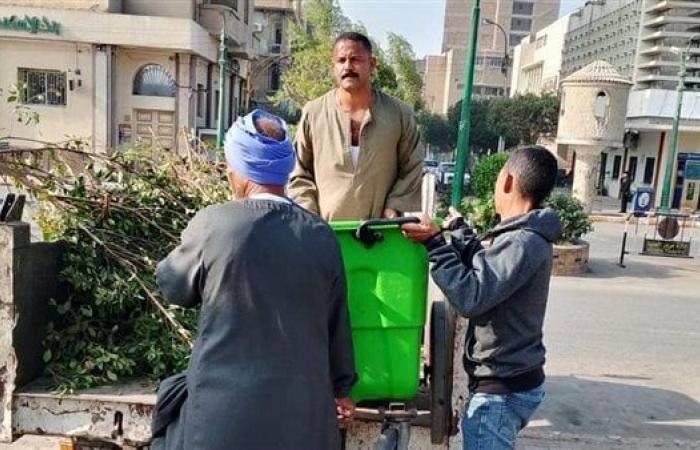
(503, 291)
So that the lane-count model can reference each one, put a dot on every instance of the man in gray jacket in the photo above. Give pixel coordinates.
(273, 361)
(503, 291)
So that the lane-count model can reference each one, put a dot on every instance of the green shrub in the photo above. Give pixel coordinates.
(574, 220)
(120, 215)
(481, 213)
(485, 175)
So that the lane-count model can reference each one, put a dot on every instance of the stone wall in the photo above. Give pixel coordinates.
(570, 259)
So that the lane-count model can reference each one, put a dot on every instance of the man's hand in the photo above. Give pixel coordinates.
(390, 213)
(345, 409)
(454, 220)
(421, 232)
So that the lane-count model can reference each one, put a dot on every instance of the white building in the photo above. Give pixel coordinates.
(114, 71)
(603, 31)
(641, 39)
(537, 60)
(666, 27)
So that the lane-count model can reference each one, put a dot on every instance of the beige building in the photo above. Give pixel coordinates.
(272, 21)
(517, 19)
(114, 72)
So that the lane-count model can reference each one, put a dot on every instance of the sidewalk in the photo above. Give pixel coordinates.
(607, 209)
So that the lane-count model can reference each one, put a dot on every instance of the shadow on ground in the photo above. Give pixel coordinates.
(639, 267)
(617, 408)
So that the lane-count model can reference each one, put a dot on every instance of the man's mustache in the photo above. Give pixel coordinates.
(349, 75)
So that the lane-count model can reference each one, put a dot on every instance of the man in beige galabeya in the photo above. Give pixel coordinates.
(357, 154)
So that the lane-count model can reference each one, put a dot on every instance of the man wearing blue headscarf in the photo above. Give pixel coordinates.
(272, 365)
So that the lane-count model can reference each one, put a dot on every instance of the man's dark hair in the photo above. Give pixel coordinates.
(535, 170)
(355, 37)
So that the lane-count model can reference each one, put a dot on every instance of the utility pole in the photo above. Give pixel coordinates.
(223, 69)
(665, 205)
(465, 118)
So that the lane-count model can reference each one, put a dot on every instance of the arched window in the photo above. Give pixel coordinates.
(155, 81)
(601, 105)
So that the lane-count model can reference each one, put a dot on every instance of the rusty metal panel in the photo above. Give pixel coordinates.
(124, 420)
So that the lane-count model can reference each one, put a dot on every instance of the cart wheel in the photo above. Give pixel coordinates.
(442, 327)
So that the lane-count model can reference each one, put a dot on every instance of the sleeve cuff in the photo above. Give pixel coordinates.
(436, 241)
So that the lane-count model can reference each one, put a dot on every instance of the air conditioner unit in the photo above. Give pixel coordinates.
(257, 27)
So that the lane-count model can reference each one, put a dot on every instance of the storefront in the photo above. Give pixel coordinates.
(112, 79)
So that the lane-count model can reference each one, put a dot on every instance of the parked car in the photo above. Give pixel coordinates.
(445, 175)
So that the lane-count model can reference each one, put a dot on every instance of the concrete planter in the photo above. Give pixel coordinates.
(570, 259)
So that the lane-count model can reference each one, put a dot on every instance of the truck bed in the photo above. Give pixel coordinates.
(119, 413)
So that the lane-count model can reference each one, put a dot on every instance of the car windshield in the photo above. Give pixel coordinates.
(431, 163)
(448, 167)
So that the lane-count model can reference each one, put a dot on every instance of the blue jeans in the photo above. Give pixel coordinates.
(492, 421)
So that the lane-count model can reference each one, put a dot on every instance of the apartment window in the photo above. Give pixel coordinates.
(201, 100)
(633, 168)
(518, 24)
(523, 8)
(490, 91)
(216, 105)
(42, 87)
(649, 166)
(275, 78)
(278, 34)
(515, 39)
(617, 164)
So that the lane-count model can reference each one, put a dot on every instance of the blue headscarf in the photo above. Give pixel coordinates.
(259, 158)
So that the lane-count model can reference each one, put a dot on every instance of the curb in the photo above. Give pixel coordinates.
(694, 221)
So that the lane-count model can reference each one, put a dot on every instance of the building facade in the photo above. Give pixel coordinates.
(603, 31)
(118, 72)
(642, 40)
(537, 60)
(516, 19)
(272, 19)
(667, 27)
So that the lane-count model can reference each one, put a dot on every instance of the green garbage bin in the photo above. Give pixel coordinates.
(387, 287)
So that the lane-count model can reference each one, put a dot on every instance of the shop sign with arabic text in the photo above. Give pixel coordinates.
(29, 24)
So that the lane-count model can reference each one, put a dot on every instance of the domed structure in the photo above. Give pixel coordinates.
(591, 120)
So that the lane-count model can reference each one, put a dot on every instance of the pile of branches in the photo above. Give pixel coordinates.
(120, 214)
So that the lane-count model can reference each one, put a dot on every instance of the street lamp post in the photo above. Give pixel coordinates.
(505, 63)
(665, 205)
(223, 68)
(504, 70)
(465, 117)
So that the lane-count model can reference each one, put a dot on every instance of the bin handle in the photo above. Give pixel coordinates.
(369, 237)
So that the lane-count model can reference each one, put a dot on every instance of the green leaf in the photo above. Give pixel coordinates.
(47, 355)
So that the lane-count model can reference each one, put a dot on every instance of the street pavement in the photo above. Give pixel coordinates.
(623, 359)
